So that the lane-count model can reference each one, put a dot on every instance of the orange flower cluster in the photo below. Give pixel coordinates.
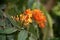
(27, 16)
(15, 18)
(39, 17)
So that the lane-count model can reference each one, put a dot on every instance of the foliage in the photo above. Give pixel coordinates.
(10, 29)
(56, 9)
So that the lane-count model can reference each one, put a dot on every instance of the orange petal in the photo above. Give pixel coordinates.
(42, 25)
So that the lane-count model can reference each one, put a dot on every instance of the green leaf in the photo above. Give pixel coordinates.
(2, 23)
(23, 34)
(1, 14)
(36, 3)
(21, 4)
(30, 3)
(49, 28)
(15, 7)
(2, 37)
(32, 37)
(14, 23)
(8, 30)
(6, 26)
(34, 30)
(56, 9)
(11, 9)
(48, 31)
(10, 37)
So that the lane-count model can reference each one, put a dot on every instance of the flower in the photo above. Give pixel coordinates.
(13, 17)
(26, 19)
(28, 12)
(42, 25)
(27, 16)
(17, 18)
(22, 17)
(39, 17)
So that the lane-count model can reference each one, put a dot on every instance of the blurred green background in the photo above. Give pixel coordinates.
(14, 7)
